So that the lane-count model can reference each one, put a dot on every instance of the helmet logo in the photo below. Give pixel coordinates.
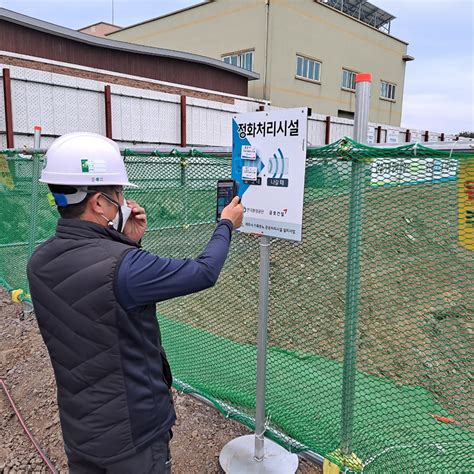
(93, 166)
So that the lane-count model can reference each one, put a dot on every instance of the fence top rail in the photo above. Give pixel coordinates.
(344, 148)
(157, 151)
(464, 146)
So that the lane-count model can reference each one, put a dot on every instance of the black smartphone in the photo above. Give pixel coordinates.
(226, 191)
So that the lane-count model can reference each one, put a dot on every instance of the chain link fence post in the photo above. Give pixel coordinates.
(35, 176)
(363, 83)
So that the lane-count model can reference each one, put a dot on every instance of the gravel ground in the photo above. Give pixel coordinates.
(199, 434)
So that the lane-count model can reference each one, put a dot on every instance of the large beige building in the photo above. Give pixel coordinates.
(306, 51)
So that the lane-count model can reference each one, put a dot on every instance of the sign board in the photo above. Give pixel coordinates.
(370, 136)
(395, 171)
(392, 136)
(268, 162)
(415, 136)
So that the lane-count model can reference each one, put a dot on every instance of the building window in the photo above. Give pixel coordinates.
(308, 68)
(387, 90)
(345, 114)
(348, 79)
(244, 60)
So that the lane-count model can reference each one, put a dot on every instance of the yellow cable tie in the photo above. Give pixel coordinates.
(330, 468)
(17, 296)
(338, 458)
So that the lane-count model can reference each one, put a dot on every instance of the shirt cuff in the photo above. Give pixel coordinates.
(228, 222)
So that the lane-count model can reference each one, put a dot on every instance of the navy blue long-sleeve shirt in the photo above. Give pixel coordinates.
(144, 278)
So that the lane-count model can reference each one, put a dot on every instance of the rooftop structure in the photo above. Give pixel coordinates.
(363, 11)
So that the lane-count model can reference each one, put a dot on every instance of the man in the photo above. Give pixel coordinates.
(94, 292)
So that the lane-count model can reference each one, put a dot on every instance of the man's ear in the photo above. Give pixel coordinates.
(95, 204)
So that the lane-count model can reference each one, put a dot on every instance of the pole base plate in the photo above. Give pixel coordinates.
(237, 457)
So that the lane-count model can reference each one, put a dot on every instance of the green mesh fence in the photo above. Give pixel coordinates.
(411, 360)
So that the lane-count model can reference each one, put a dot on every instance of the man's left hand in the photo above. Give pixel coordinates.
(137, 222)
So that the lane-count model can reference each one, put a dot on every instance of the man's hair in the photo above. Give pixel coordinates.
(75, 211)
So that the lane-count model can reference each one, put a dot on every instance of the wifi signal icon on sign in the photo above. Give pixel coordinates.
(278, 165)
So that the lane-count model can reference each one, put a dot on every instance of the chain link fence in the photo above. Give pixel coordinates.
(411, 359)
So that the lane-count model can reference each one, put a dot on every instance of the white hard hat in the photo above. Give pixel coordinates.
(84, 159)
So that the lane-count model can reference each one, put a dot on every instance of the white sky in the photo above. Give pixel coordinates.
(439, 83)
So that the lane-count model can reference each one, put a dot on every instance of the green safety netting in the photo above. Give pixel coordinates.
(411, 359)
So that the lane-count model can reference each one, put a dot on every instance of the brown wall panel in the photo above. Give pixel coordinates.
(23, 40)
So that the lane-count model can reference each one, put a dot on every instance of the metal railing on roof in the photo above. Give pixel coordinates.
(363, 11)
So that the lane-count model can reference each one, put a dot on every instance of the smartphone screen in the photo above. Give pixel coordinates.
(226, 190)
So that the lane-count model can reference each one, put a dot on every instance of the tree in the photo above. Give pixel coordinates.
(466, 134)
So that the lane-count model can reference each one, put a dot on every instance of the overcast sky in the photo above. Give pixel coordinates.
(439, 83)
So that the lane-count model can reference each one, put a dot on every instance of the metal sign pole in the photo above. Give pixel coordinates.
(253, 454)
(262, 346)
(363, 83)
